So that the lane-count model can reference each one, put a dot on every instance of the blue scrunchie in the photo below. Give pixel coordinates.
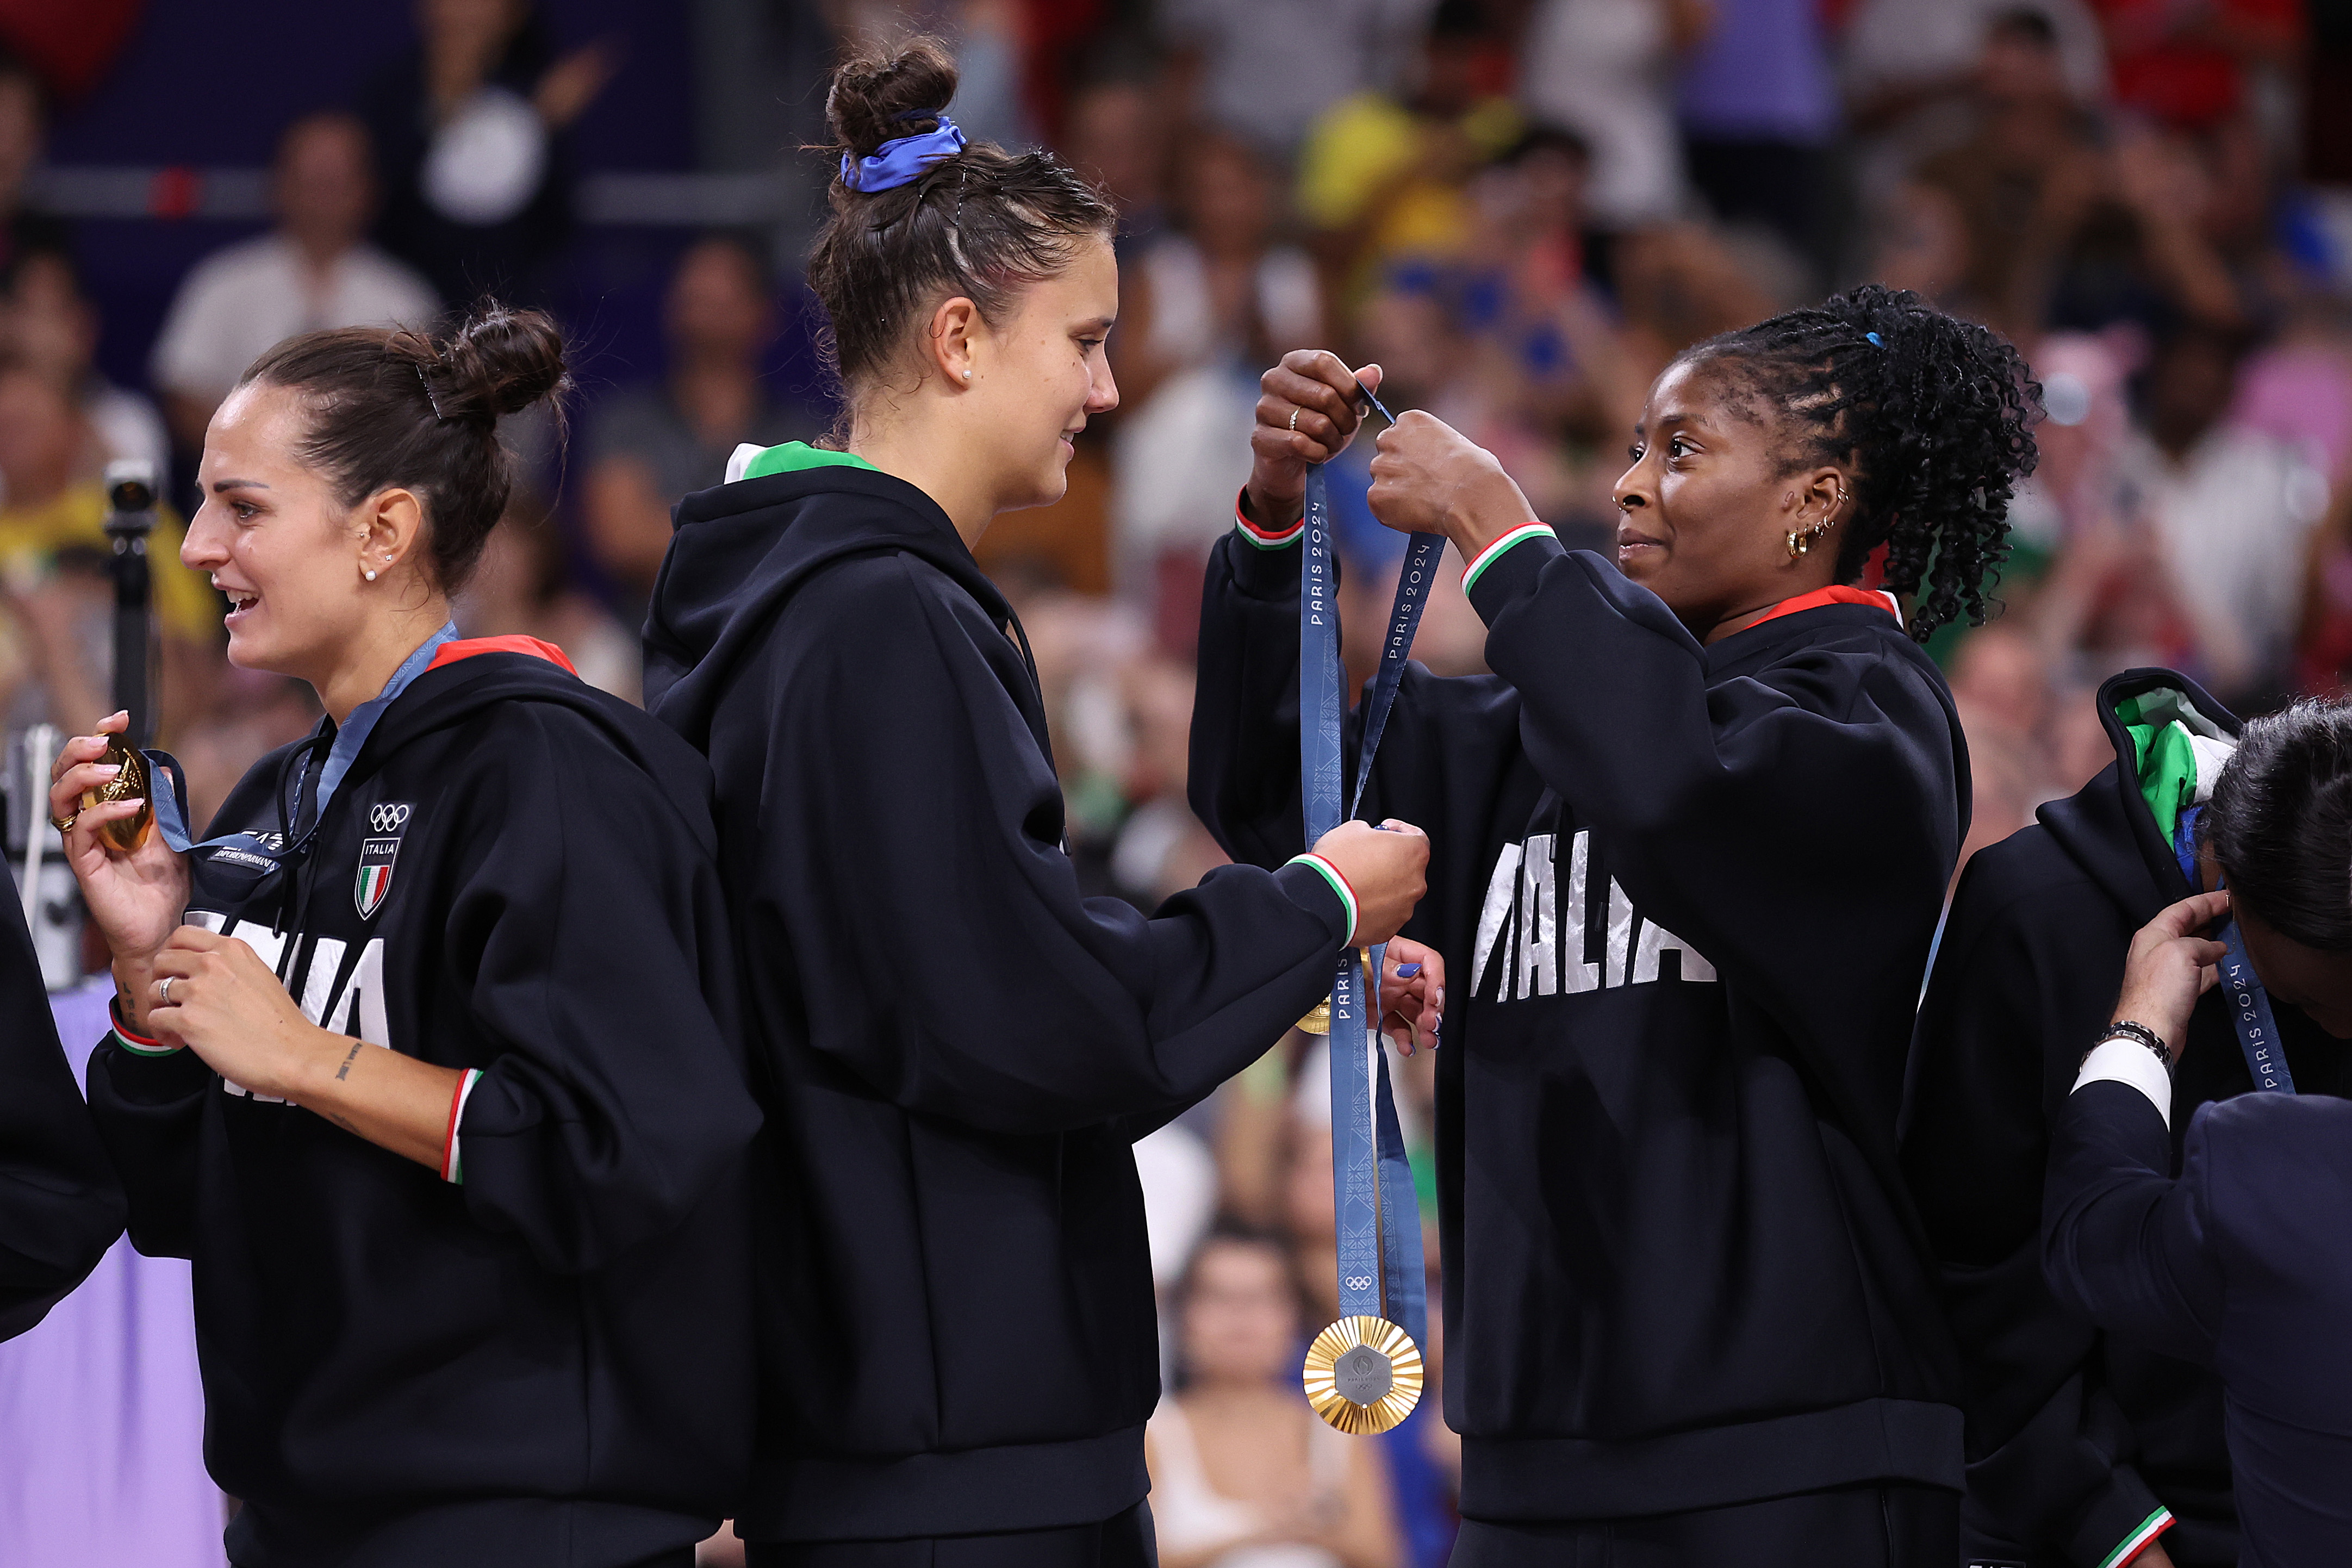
(903, 160)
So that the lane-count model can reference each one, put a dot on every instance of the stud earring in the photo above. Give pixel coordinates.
(370, 571)
(967, 375)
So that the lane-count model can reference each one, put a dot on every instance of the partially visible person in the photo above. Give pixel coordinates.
(428, 1057)
(49, 324)
(2192, 66)
(1759, 110)
(315, 269)
(1918, 239)
(26, 229)
(1268, 67)
(53, 551)
(2232, 509)
(1216, 294)
(1915, 73)
(1605, 69)
(649, 445)
(523, 587)
(1117, 138)
(470, 131)
(2233, 1260)
(1243, 1473)
(960, 1047)
(2084, 1445)
(60, 1204)
(1381, 172)
(2026, 163)
(1222, 287)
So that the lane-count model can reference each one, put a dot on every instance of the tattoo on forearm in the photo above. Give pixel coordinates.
(344, 1071)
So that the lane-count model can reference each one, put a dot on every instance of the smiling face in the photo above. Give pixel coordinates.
(272, 536)
(1708, 505)
(1045, 376)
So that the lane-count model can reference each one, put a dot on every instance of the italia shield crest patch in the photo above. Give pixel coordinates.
(387, 822)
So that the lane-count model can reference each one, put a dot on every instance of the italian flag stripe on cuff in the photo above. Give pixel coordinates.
(1262, 538)
(1338, 885)
(137, 1045)
(2151, 1527)
(1488, 556)
(453, 1167)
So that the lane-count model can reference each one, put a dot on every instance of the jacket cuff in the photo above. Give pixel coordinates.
(1264, 538)
(1265, 564)
(146, 1078)
(2121, 1059)
(452, 1152)
(129, 1040)
(1314, 884)
(2119, 1525)
(1507, 569)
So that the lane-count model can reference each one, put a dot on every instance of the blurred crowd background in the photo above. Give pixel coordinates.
(1520, 208)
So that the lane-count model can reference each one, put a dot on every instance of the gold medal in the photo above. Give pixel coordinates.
(1362, 1374)
(128, 834)
(1319, 1022)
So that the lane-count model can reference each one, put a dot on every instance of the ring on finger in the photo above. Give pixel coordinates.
(164, 991)
(64, 823)
(1295, 413)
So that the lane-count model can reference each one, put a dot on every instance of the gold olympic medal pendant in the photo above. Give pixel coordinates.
(1319, 1022)
(1362, 1374)
(128, 833)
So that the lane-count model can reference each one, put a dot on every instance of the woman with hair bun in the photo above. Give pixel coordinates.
(958, 1348)
(426, 1056)
(1691, 836)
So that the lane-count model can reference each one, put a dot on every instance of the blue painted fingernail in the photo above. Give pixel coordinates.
(1407, 971)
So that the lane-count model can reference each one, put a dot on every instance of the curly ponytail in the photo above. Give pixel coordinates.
(1934, 414)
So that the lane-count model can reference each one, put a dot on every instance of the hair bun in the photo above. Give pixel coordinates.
(500, 361)
(878, 97)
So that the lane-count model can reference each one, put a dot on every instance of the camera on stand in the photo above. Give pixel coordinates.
(35, 850)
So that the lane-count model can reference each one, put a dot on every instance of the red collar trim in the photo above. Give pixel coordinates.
(467, 647)
(1836, 594)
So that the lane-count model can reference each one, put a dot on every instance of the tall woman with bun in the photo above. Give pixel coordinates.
(426, 1056)
(958, 1340)
(1691, 840)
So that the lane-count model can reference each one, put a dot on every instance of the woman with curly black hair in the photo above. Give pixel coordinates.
(1689, 845)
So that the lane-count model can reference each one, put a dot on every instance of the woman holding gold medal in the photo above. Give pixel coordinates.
(955, 1295)
(426, 1056)
(1690, 842)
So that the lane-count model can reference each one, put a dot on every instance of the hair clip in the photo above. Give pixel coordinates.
(1876, 341)
(434, 403)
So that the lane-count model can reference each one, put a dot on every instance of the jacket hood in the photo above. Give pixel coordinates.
(741, 549)
(451, 693)
(2107, 827)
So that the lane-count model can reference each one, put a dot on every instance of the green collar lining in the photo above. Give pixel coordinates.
(794, 455)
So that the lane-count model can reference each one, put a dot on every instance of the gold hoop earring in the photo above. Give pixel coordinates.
(1802, 543)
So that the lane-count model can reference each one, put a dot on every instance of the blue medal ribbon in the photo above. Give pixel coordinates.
(2250, 1004)
(263, 854)
(1376, 1212)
